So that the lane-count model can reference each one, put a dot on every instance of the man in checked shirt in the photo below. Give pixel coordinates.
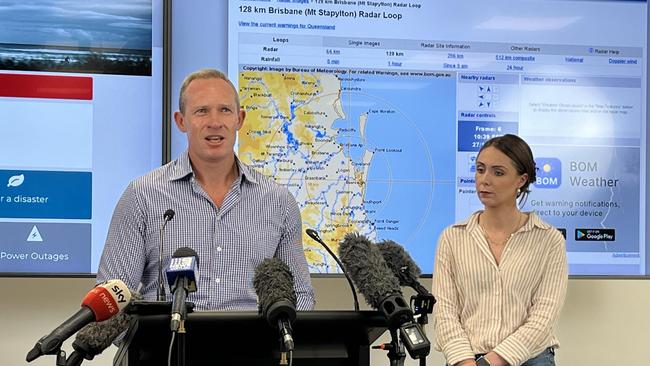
(231, 215)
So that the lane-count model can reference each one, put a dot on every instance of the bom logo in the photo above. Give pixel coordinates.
(549, 172)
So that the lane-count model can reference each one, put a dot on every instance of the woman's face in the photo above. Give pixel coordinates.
(497, 179)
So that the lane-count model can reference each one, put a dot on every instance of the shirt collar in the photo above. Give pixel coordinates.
(471, 223)
(182, 168)
(245, 171)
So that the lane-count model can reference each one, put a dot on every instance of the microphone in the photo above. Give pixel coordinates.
(314, 235)
(408, 273)
(102, 302)
(94, 338)
(273, 283)
(181, 276)
(167, 217)
(379, 286)
(402, 265)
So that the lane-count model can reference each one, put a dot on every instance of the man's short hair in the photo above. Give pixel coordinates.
(204, 74)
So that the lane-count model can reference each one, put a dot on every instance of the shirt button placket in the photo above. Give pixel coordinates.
(216, 245)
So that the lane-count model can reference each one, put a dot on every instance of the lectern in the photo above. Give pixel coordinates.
(329, 338)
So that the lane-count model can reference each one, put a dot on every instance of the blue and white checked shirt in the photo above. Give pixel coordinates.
(258, 219)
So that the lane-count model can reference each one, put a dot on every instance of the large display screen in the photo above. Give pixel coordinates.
(81, 101)
(372, 114)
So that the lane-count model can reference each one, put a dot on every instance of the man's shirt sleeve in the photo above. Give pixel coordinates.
(124, 251)
(290, 250)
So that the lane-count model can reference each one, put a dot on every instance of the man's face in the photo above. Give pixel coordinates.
(210, 119)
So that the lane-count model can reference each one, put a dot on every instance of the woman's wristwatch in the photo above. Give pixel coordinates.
(482, 361)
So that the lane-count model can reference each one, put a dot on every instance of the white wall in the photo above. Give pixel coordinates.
(604, 322)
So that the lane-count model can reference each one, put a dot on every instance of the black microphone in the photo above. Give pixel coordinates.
(408, 273)
(273, 283)
(381, 289)
(370, 272)
(102, 302)
(167, 217)
(181, 276)
(314, 235)
(402, 265)
(94, 338)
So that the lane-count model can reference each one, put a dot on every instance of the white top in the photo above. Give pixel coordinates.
(510, 308)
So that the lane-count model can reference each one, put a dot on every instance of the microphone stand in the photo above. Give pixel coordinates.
(118, 359)
(314, 235)
(396, 353)
(422, 320)
(422, 304)
(60, 357)
(160, 295)
(396, 349)
(167, 216)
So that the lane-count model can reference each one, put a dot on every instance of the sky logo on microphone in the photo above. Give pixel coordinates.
(118, 293)
(549, 173)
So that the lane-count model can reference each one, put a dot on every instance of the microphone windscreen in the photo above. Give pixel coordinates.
(399, 262)
(368, 269)
(94, 338)
(273, 282)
